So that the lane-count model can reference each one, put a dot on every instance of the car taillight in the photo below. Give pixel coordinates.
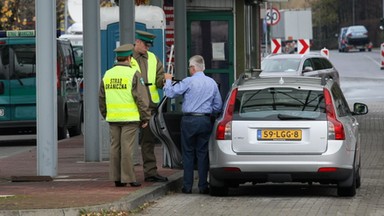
(224, 127)
(327, 169)
(335, 127)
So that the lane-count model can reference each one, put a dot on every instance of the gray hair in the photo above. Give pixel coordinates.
(198, 62)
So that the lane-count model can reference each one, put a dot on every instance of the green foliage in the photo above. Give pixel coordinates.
(17, 14)
(20, 14)
(325, 12)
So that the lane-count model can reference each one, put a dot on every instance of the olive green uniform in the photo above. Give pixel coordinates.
(147, 139)
(123, 133)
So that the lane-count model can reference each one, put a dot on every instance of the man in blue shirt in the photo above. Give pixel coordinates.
(201, 99)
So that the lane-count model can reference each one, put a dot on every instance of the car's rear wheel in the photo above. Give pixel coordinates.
(350, 190)
(358, 176)
(217, 187)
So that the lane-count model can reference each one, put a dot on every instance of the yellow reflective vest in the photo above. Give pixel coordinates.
(151, 75)
(120, 104)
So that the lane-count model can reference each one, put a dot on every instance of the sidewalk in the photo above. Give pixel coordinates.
(79, 185)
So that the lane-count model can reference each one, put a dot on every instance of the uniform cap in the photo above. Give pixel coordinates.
(145, 36)
(124, 50)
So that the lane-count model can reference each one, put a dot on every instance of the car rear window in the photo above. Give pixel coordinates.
(357, 29)
(280, 104)
(25, 61)
(18, 62)
(280, 65)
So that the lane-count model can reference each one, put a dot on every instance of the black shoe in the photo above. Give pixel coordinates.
(204, 191)
(134, 184)
(156, 178)
(120, 184)
(186, 191)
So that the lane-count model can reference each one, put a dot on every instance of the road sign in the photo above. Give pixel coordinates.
(272, 16)
(276, 46)
(303, 46)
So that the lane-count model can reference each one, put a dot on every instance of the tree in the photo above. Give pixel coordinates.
(325, 22)
(17, 14)
(20, 14)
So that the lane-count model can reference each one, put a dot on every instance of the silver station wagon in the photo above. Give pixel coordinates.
(275, 129)
(286, 129)
(310, 64)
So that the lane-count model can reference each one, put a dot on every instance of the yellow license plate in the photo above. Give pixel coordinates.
(266, 134)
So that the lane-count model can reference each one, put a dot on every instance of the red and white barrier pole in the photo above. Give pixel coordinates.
(382, 56)
(324, 52)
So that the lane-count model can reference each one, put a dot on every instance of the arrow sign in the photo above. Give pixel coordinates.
(303, 46)
(276, 46)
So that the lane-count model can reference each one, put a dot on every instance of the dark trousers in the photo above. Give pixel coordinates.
(195, 133)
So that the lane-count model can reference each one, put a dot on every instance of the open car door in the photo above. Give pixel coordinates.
(165, 125)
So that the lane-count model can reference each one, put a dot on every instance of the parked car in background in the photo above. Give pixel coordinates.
(356, 38)
(311, 64)
(286, 129)
(76, 39)
(18, 87)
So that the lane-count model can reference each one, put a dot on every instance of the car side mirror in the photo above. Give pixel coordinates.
(307, 69)
(360, 109)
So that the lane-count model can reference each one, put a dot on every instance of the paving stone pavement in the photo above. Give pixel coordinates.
(79, 185)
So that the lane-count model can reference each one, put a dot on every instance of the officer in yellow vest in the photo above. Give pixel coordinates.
(124, 104)
(152, 71)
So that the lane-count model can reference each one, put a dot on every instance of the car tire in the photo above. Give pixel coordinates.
(76, 130)
(358, 176)
(217, 187)
(61, 132)
(348, 191)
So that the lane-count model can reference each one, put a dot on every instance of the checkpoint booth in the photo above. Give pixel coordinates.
(147, 18)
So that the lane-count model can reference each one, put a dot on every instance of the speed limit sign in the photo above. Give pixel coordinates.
(272, 16)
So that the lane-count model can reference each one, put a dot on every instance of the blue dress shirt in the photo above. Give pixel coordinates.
(200, 92)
